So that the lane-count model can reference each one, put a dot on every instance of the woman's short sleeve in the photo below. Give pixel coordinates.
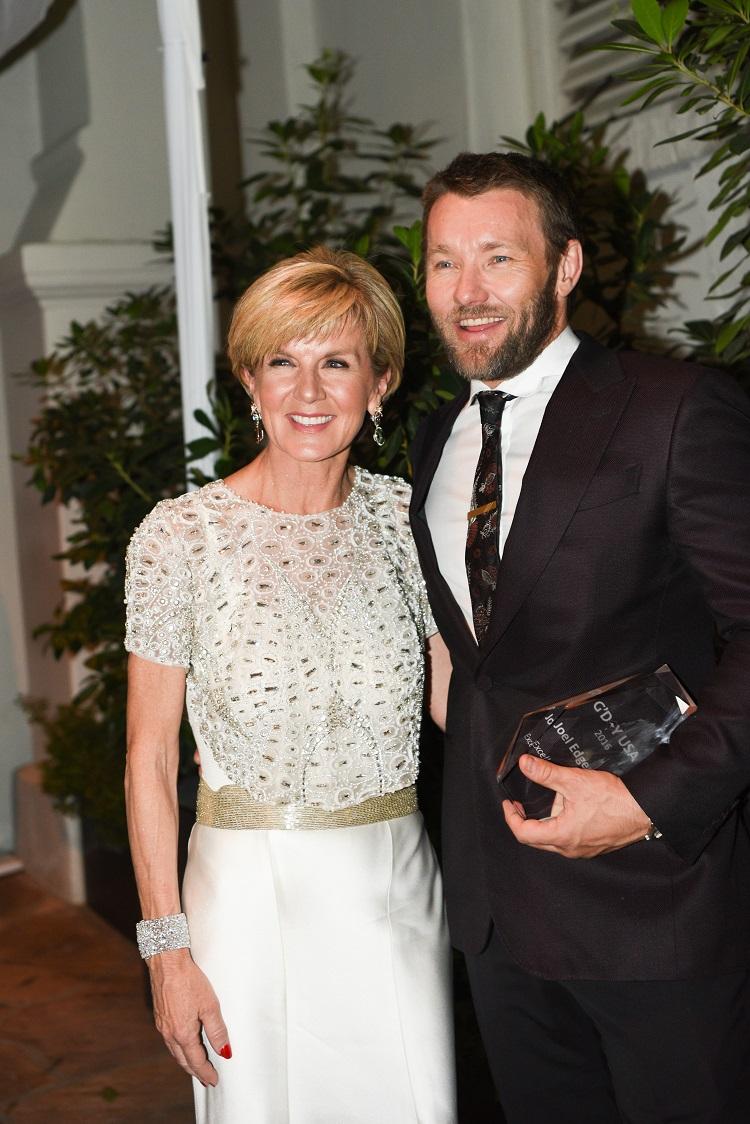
(403, 495)
(158, 592)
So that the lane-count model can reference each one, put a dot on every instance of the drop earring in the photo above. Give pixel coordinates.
(257, 422)
(377, 431)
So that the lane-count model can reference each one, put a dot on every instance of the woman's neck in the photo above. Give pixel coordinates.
(300, 487)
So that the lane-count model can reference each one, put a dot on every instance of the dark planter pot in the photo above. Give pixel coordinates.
(110, 883)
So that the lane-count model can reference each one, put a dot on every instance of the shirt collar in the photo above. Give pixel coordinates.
(541, 376)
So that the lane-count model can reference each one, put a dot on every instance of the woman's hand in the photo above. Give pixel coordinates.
(184, 1001)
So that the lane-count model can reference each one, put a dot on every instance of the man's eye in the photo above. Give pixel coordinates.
(444, 263)
(500, 258)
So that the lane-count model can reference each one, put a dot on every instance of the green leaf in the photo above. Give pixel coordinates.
(724, 277)
(657, 89)
(648, 15)
(622, 180)
(717, 36)
(411, 238)
(209, 423)
(392, 446)
(632, 47)
(727, 334)
(722, 7)
(202, 446)
(673, 18)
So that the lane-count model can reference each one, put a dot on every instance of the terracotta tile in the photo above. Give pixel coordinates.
(149, 1093)
(78, 1042)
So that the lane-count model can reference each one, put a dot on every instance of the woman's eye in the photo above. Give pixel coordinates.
(279, 361)
(337, 363)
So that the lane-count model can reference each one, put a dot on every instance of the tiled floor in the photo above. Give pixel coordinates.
(77, 1042)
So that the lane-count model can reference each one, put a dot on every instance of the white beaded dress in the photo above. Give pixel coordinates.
(303, 640)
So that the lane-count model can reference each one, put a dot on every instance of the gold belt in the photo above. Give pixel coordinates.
(233, 807)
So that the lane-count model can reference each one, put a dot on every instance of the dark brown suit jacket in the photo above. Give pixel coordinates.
(630, 545)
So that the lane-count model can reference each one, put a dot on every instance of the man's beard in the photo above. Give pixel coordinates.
(524, 340)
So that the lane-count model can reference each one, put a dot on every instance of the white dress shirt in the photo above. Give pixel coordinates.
(449, 498)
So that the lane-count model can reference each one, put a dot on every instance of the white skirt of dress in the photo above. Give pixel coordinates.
(328, 951)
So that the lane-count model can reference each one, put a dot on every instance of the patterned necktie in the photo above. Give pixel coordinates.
(482, 551)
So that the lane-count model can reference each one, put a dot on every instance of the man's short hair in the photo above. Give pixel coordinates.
(473, 173)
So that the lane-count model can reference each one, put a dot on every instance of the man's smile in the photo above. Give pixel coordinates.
(470, 323)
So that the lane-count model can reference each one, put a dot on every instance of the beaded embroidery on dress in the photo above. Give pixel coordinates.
(302, 634)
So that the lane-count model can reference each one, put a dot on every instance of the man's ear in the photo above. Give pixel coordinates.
(569, 268)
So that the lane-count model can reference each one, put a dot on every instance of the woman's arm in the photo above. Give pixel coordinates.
(183, 998)
(439, 670)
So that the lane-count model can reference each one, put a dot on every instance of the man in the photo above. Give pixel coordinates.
(608, 945)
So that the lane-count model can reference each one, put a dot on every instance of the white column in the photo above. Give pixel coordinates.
(183, 83)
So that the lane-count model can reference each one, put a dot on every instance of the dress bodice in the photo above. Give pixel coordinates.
(303, 638)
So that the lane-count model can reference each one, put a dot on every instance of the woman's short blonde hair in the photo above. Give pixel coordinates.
(315, 295)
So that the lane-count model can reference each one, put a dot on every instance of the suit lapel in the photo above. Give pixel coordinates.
(578, 424)
(436, 433)
(437, 430)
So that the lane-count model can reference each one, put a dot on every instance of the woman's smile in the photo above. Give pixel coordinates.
(310, 421)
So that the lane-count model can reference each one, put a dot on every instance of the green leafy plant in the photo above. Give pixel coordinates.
(330, 176)
(697, 54)
(108, 443)
(631, 248)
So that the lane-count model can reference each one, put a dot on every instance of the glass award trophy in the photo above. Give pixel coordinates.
(611, 727)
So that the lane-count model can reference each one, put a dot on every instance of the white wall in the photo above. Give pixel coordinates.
(410, 64)
(474, 69)
(99, 164)
(673, 168)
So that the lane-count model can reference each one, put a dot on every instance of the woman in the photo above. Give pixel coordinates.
(313, 956)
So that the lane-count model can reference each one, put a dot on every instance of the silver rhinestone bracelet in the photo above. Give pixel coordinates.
(162, 934)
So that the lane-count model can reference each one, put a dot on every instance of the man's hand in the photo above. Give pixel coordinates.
(593, 812)
(184, 1001)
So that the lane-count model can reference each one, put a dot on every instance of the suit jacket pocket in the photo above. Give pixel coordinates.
(606, 487)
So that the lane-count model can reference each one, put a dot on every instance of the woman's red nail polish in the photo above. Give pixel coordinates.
(226, 1051)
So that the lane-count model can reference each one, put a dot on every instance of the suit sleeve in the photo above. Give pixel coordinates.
(691, 785)
(417, 444)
